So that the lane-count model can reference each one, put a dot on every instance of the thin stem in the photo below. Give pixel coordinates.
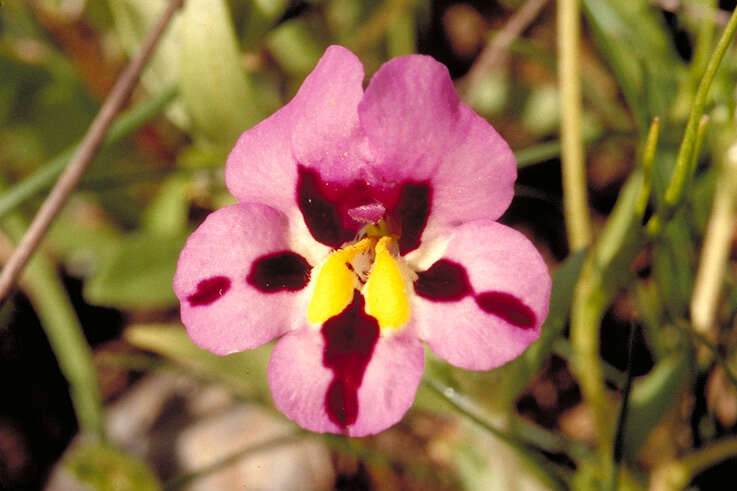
(83, 157)
(575, 200)
(676, 475)
(44, 289)
(683, 171)
(648, 158)
(654, 224)
(124, 125)
(619, 435)
(467, 408)
(495, 52)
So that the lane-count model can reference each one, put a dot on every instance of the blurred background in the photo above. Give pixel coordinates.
(99, 384)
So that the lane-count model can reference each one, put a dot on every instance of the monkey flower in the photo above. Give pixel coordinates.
(365, 226)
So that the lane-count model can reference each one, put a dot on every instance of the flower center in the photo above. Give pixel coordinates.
(370, 266)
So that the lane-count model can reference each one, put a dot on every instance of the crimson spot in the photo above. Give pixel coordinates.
(209, 290)
(508, 307)
(445, 281)
(279, 271)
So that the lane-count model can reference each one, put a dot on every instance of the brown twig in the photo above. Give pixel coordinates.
(496, 50)
(83, 157)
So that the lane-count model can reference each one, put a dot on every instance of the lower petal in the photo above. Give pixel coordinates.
(238, 284)
(390, 384)
(498, 313)
(302, 386)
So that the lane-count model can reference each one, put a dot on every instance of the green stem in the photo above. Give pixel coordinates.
(723, 363)
(683, 171)
(50, 301)
(467, 408)
(654, 224)
(704, 42)
(575, 201)
(648, 158)
(676, 475)
(124, 125)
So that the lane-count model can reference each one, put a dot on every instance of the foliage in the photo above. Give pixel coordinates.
(658, 120)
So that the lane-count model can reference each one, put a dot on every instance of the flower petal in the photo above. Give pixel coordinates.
(262, 167)
(389, 384)
(238, 283)
(419, 131)
(327, 136)
(300, 382)
(492, 318)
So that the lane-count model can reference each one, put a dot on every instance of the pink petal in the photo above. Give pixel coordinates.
(390, 383)
(327, 136)
(232, 296)
(500, 313)
(320, 118)
(299, 382)
(418, 130)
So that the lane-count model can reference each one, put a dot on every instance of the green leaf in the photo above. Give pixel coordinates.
(43, 287)
(244, 373)
(139, 275)
(82, 245)
(167, 214)
(104, 468)
(634, 41)
(261, 16)
(220, 97)
(133, 20)
(653, 397)
(294, 47)
(673, 266)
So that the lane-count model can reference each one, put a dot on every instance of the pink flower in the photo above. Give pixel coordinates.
(365, 225)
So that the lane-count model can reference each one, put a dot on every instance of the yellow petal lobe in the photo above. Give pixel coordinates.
(335, 283)
(385, 290)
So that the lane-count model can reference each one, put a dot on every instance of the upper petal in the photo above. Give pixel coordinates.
(327, 136)
(238, 282)
(317, 122)
(493, 291)
(420, 131)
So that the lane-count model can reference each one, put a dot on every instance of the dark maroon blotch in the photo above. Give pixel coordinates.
(209, 290)
(445, 281)
(350, 338)
(508, 307)
(327, 208)
(321, 214)
(279, 271)
(412, 212)
(341, 403)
